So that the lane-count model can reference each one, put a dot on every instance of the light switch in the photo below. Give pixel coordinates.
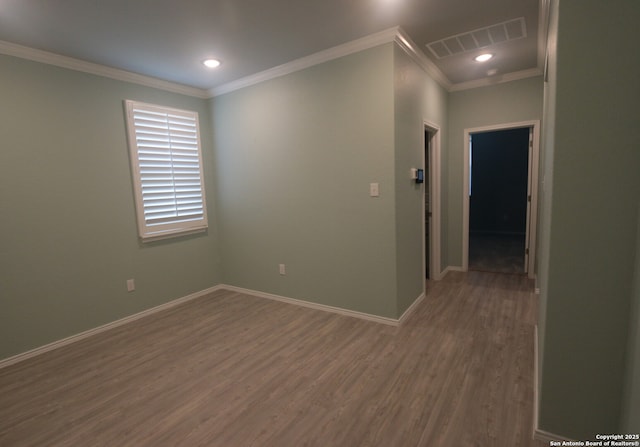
(374, 189)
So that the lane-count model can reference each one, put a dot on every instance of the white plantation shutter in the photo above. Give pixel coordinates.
(166, 163)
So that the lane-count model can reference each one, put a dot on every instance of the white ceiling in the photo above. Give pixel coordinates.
(168, 39)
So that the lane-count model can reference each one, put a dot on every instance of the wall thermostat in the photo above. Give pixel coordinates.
(417, 175)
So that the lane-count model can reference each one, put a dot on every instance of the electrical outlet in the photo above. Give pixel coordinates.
(131, 285)
(283, 270)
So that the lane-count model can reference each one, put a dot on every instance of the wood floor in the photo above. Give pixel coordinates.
(235, 370)
(498, 253)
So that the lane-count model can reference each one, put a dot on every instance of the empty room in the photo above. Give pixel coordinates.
(252, 223)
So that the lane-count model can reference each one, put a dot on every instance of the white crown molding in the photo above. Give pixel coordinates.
(355, 46)
(497, 79)
(395, 34)
(544, 9)
(410, 47)
(45, 57)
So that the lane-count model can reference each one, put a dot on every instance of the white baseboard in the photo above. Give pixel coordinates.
(540, 435)
(317, 306)
(536, 372)
(547, 437)
(451, 268)
(411, 309)
(105, 327)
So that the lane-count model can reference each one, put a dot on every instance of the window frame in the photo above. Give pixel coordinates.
(180, 225)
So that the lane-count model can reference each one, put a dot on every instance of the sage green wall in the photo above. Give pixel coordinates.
(69, 236)
(592, 227)
(509, 102)
(631, 394)
(417, 98)
(545, 192)
(295, 157)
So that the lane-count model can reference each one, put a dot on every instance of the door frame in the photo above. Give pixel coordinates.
(532, 189)
(435, 272)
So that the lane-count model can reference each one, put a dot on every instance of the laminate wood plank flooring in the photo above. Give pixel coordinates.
(230, 369)
(498, 253)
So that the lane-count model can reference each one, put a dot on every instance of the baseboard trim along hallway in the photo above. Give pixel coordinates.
(234, 369)
(105, 327)
(326, 308)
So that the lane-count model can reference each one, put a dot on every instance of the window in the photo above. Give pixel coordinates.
(166, 164)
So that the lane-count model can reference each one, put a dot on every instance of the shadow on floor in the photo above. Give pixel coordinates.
(500, 253)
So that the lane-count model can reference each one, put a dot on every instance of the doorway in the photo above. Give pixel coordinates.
(427, 202)
(493, 224)
(498, 181)
(431, 202)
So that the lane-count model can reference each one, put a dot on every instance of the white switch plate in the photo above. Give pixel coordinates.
(374, 189)
(283, 270)
(131, 285)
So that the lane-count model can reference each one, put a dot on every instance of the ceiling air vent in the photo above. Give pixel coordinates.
(483, 37)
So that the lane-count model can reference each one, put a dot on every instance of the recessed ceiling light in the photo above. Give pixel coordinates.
(483, 57)
(211, 63)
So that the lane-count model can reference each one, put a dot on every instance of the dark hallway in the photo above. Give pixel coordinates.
(498, 200)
